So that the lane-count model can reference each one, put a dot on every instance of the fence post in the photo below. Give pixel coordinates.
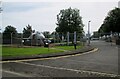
(11, 39)
(21, 39)
(62, 39)
(36, 39)
(31, 39)
(57, 38)
(75, 43)
(74, 37)
(0, 38)
(68, 38)
(54, 37)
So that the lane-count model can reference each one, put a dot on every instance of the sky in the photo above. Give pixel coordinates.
(119, 4)
(41, 15)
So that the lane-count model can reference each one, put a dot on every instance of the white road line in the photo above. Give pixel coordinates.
(20, 74)
(74, 70)
(15, 73)
(92, 62)
(50, 57)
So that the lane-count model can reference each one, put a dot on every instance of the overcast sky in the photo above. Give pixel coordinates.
(42, 15)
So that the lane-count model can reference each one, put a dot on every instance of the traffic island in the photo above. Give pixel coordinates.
(72, 52)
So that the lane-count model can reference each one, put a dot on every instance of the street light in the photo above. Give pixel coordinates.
(89, 33)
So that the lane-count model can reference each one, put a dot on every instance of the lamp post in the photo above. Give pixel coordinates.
(89, 33)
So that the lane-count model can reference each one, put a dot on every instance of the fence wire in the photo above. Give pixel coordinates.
(56, 38)
(38, 40)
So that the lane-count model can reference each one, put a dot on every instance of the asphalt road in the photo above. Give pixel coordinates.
(103, 62)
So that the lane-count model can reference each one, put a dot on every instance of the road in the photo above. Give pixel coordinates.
(103, 62)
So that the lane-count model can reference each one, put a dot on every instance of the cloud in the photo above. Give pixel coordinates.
(39, 18)
(61, 0)
(42, 15)
(22, 6)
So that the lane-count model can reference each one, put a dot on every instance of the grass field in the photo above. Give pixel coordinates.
(14, 51)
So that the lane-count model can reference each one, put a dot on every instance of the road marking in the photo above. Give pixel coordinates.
(92, 62)
(19, 74)
(15, 73)
(74, 70)
(94, 50)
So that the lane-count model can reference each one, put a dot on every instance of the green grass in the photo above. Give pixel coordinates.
(14, 51)
(67, 47)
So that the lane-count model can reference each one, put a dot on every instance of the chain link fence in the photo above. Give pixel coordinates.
(68, 38)
(56, 39)
(21, 40)
(38, 40)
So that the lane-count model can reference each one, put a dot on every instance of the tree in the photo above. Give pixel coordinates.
(95, 34)
(69, 20)
(55, 37)
(27, 31)
(47, 34)
(9, 32)
(111, 22)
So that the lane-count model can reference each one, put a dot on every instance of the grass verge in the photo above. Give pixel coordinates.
(67, 47)
(14, 51)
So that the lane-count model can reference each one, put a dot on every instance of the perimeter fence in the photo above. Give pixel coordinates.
(40, 40)
(56, 38)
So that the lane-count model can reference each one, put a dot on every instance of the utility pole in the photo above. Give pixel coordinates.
(22, 40)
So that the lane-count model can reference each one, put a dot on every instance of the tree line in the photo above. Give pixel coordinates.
(111, 23)
(10, 31)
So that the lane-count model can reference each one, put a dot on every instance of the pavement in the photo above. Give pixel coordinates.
(99, 63)
(77, 51)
